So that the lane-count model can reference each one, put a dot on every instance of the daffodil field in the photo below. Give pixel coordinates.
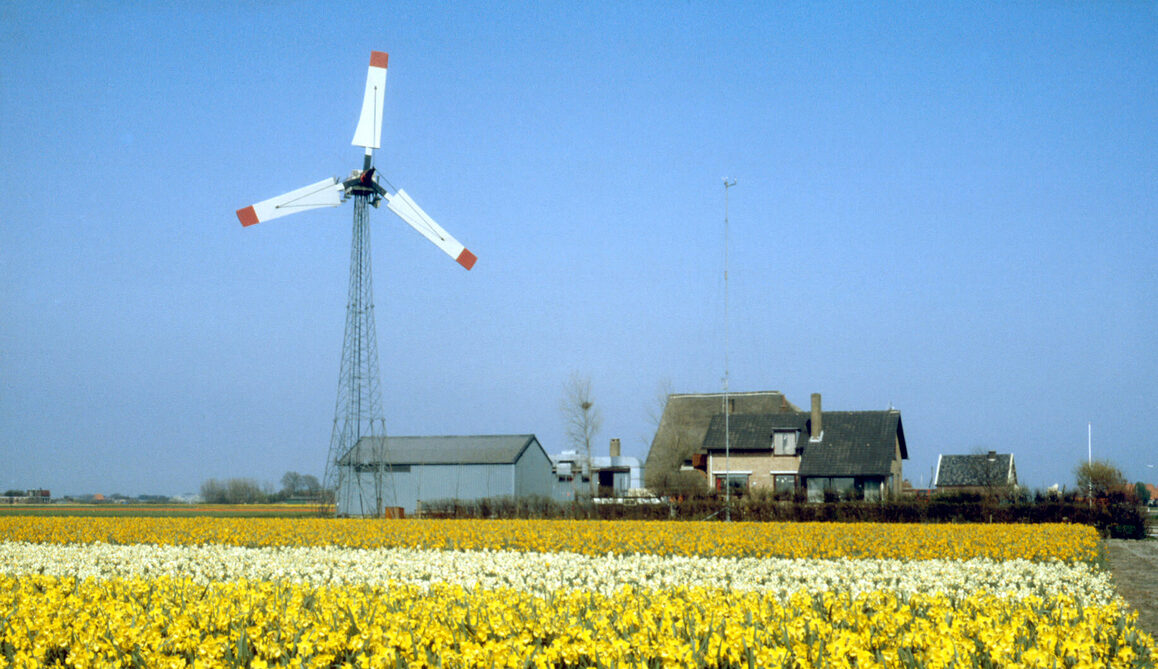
(233, 592)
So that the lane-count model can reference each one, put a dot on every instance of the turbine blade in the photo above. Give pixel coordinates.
(401, 204)
(368, 134)
(325, 193)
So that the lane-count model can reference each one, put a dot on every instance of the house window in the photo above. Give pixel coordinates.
(738, 482)
(860, 487)
(842, 484)
(784, 442)
(784, 483)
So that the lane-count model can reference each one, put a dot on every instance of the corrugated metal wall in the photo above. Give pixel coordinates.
(530, 475)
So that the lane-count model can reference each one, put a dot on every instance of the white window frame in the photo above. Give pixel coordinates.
(780, 440)
(727, 476)
(795, 479)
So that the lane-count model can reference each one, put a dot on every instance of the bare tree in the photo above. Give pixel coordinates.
(1099, 478)
(582, 418)
(309, 484)
(655, 410)
(290, 483)
(294, 484)
(233, 491)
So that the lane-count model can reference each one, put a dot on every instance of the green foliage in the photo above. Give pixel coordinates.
(1142, 492)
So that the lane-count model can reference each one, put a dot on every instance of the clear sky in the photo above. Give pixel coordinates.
(948, 208)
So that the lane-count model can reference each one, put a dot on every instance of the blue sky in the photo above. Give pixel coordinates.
(949, 209)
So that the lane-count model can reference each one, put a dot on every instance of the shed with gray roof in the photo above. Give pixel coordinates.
(383, 472)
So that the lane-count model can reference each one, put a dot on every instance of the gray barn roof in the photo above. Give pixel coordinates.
(466, 450)
(975, 470)
(855, 443)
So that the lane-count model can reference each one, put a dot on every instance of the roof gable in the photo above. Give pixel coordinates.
(975, 470)
(856, 443)
(753, 432)
(457, 450)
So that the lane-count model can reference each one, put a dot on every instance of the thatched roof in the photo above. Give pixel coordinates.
(684, 425)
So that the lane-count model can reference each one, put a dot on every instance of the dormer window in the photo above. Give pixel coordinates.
(784, 442)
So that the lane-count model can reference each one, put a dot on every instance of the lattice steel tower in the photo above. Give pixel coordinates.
(358, 410)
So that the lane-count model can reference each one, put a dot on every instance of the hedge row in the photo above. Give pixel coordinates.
(1116, 516)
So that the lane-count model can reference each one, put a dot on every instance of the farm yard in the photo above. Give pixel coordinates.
(256, 592)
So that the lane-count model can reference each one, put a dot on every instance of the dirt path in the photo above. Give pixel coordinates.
(1134, 567)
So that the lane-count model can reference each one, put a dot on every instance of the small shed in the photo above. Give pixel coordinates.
(384, 472)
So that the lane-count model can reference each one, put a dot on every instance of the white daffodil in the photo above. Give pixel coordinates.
(547, 572)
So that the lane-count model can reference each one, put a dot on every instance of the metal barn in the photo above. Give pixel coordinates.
(383, 472)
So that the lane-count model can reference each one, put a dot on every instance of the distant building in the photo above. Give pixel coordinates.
(615, 475)
(979, 472)
(402, 472)
(35, 496)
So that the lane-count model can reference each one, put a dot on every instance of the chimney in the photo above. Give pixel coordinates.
(615, 448)
(817, 427)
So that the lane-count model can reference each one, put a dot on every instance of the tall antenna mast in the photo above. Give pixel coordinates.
(728, 183)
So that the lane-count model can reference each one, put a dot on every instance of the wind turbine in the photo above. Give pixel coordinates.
(358, 410)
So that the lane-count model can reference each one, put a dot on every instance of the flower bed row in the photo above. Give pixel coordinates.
(543, 573)
(1068, 543)
(165, 622)
(306, 593)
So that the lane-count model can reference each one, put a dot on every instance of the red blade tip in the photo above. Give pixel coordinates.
(247, 216)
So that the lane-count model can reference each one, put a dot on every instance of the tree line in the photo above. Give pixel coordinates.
(294, 486)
